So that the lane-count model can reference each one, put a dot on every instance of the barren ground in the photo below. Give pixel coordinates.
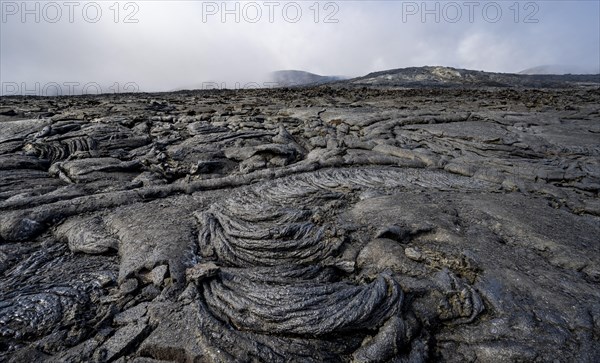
(319, 224)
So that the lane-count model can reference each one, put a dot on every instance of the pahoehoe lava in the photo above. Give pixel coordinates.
(342, 223)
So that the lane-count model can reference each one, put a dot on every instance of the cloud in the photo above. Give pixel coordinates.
(181, 44)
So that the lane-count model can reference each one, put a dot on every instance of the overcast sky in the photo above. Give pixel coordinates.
(165, 45)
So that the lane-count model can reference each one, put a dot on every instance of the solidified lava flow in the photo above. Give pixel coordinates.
(329, 223)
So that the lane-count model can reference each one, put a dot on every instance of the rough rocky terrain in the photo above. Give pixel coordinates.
(303, 225)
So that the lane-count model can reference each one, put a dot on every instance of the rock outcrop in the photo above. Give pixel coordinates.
(306, 225)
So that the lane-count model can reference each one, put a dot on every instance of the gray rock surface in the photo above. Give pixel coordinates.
(306, 225)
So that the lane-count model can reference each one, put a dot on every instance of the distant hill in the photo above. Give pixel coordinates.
(447, 77)
(418, 77)
(289, 78)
